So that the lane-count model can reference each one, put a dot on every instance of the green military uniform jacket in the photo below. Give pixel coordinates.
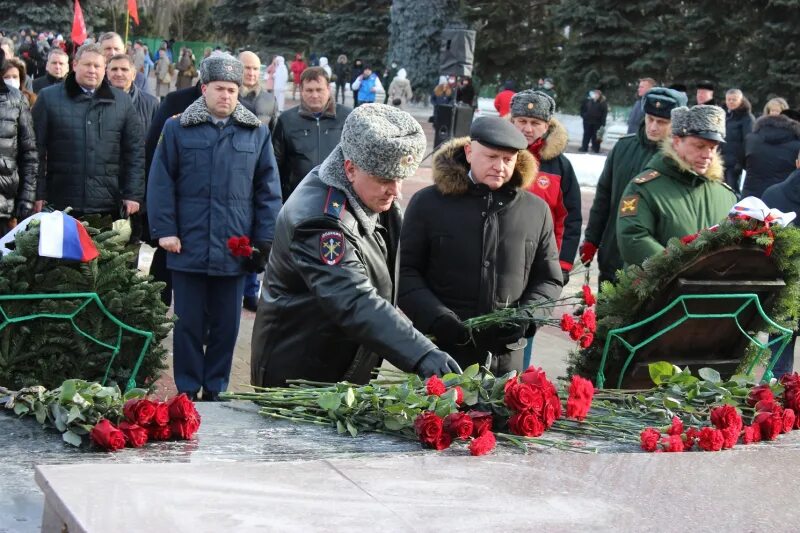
(628, 158)
(669, 200)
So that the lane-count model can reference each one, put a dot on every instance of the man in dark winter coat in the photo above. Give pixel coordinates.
(475, 242)
(258, 101)
(121, 74)
(213, 177)
(770, 153)
(18, 158)
(738, 125)
(556, 183)
(637, 111)
(57, 69)
(594, 112)
(326, 311)
(89, 137)
(627, 159)
(704, 94)
(681, 191)
(305, 135)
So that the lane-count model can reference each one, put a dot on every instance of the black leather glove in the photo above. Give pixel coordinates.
(23, 210)
(258, 260)
(565, 275)
(495, 338)
(436, 362)
(449, 331)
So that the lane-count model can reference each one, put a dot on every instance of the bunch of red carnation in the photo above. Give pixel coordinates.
(240, 246)
(439, 433)
(533, 402)
(148, 420)
(581, 392)
(582, 325)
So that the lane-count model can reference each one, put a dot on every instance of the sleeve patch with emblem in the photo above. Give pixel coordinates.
(331, 247)
(629, 206)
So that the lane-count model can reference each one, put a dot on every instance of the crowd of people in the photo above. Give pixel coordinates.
(314, 190)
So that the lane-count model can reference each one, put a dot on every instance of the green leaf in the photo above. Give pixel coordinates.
(349, 397)
(340, 427)
(71, 438)
(444, 408)
(395, 423)
(470, 397)
(351, 428)
(68, 390)
(20, 409)
(671, 403)
(329, 401)
(471, 371)
(41, 412)
(74, 414)
(660, 371)
(131, 394)
(710, 375)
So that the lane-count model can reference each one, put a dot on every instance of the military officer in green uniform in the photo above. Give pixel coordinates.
(629, 157)
(682, 189)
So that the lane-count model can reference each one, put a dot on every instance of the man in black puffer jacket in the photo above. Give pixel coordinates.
(770, 153)
(90, 142)
(18, 159)
(738, 125)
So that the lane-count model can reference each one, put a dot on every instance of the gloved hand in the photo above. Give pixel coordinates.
(565, 276)
(495, 338)
(258, 260)
(587, 252)
(449, 331)
(436, 362)
(23, 210)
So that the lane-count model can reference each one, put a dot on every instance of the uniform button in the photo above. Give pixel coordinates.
(483, 214)
(486, 263)
(89, 122)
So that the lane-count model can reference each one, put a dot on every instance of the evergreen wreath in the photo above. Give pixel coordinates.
(47, 351)
(619, 304)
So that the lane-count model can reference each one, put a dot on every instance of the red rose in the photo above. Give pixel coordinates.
(677, 426)
(106, 436)
(589, 320)
(691, 435)
(588, 297)
(567, 322)
(790, 381)
(766, 406)
(649, 438)
(139, 411)
(483, 444)
(526, 423)
(711, 440)
(587, 340)
(184, 429)
(726, 416)
(673, 443)
(771, 423)
(458, 425)
(522, 396)
(161, 418)
(551, 412)
(534, 376)
(730, 435)
(443, 442)
(459, 395)
(788, 420)
(135, 435)
(435, 386)
(428, 427)
(481, 421)
(762, 393)
(181, 407)
(159, 432)
(579, 402)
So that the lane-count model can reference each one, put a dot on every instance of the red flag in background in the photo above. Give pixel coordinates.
(133, 11)
(78, 25)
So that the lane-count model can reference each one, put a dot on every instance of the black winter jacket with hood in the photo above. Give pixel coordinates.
(770, 153)
(18, 159)
(738, 124)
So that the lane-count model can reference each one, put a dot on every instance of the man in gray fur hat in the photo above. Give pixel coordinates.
(682, 189)
(213, 177)
(326, 312)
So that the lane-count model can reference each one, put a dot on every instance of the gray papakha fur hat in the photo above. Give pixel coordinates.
(704, 121)
(383, 141)
(221, 67)
(533, 104)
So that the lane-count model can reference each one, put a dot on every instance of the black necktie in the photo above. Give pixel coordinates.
(220, 124)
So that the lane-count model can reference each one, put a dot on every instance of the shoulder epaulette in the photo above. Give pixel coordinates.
(334, 203)
(176, 115)
(726, 186)
(646, 176)
(628, 135)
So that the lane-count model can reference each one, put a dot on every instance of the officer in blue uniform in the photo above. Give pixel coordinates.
(326, 312)
(213, 177)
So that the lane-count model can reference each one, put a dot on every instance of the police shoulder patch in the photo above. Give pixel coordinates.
(646, 176)
(629, 205)
(331, 247)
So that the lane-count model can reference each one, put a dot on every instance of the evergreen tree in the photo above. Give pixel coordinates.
(356, 28)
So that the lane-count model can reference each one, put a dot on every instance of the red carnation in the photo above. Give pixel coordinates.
(726, 416)
(576, 332)
(459, 395)
(481, 421)
(435, 386)
(184, 429)
(771, 423)
(159, 432)
(589, 320)
(428, 427)
(567, 322)
(762, 393)
(588, 297)
(677, 426)
(692, 434)
(139, 411)
(730, 435)
(711, 440)
(526, 423)
(579, 402)
(752, 434)
(673, 443)
(689, 238)
(240, 246)
(458, 425)
(161, 417)
(135, 435)
(106, 436)
(483, 444)
(181, 407)
(587, 340)
(649, 438)
(788, 420)
(523, 396)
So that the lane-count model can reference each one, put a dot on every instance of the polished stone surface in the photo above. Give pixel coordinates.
(741, 490)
